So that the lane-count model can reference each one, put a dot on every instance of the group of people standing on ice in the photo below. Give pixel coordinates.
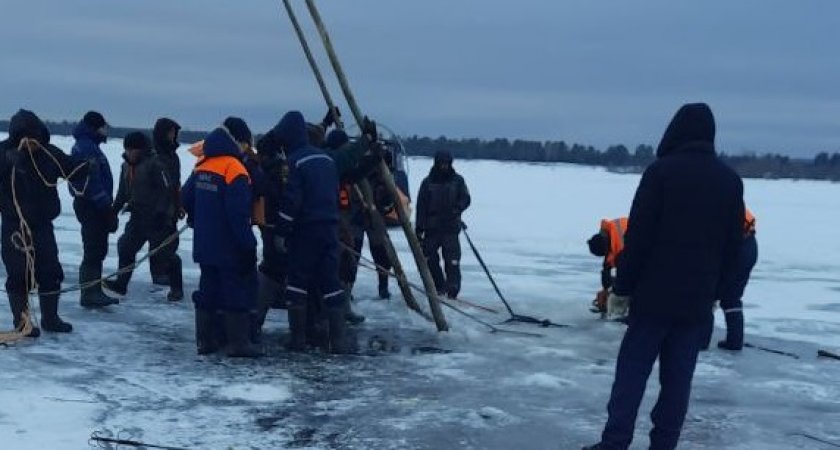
(296, 185)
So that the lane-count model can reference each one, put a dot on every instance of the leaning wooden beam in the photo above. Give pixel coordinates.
(377, 223)
(414, 243)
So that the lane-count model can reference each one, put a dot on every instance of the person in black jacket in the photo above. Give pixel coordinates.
(685, 230)
(165, 142)
(28, 201)
(92, 204)
(443, 197)
(144, 192)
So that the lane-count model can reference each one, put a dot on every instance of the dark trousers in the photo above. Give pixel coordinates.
(94, 232)
(314, 251)
(676, 343)
(735, 284)
(48, 271)
(449, 245)
(138, 231)
(226, 289)
(159, 264)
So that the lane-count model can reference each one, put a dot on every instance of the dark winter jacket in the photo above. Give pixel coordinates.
(685, 226)
(275, 172)
(217, 198)
(443, 197)
(145, 188)
(311, 194)
(165, 149)
(38, 202)
(100, 183)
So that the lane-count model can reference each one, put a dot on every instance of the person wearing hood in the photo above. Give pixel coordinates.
(607, 243)
(217, 200)
(28, 201)
(307, 225)
(165, 143)
(92, 203)
(684, 233)
(443, 197)
(144, 192)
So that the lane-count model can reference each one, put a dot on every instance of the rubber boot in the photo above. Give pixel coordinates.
(338, 342)
(49, 315)
(384, 293)
(205, 335)
(297, 328)
(352, 317)
(93, 297)
(238, 328)
(17, 303)
(118, 286)
(734, 331)
(176, 281)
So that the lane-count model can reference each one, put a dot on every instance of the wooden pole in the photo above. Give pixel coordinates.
(413, 242)
(377, 223)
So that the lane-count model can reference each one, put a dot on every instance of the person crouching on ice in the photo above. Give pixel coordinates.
(607, 243)
(217, 199)
(308, 227)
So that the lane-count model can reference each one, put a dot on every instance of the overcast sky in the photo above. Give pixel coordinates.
(589, 71)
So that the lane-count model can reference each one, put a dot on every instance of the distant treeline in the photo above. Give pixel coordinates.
(619, 158)
(824, 166)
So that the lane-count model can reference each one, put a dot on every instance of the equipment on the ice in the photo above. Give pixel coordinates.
(513, 316)
(771, 350)
(617, 306)
(98, 439)
(828, 354)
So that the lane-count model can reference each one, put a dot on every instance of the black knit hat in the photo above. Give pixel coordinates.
(94, 120)
(136, 141)
(598, 245)
(239, 130)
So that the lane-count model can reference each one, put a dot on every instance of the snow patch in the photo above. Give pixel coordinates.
(257, 393)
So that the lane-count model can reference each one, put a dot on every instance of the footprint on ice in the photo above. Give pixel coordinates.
(256, 393)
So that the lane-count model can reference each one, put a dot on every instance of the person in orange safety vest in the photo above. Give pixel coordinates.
(608, 244)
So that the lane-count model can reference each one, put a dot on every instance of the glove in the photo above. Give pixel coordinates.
(329, 118)
(369, 129)
(599, 305)
(617, 306)
(279, 243)
(112, 222)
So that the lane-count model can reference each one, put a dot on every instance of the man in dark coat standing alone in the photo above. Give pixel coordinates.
(684, 233)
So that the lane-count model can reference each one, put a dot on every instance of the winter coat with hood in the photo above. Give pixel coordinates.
(165, 151)
(442, 198)
(217, 198)
(311, 194)
(100, 183)
(685, 225)
(144, 186)
(38, 202)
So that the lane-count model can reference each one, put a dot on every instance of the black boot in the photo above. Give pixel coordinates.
(176, 281)
(297, 328)
(118, 286)
(384, 293)
(338, 339)
(92, 296)
(205, 334)
(238, 328)
(353, 318)
(17, 302)
(734, 331)
(49, 315)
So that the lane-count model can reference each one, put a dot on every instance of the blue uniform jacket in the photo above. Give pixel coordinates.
(217, 198)
(100, 185)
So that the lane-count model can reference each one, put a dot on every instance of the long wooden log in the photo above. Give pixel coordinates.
(377, 223)
(385, 173)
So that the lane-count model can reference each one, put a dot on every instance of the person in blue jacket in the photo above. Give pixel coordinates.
(308, 227)
(92, 203)
(217, 199)
(685, 230)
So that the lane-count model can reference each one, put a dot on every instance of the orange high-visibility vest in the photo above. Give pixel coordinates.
(615, 230)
